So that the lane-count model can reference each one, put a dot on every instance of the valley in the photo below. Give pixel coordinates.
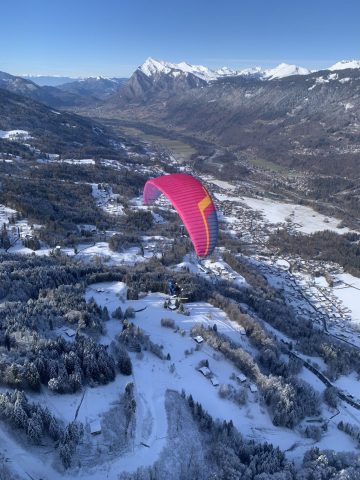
(103, 373)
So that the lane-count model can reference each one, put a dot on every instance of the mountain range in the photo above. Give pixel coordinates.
(286, 115)
(299, 119)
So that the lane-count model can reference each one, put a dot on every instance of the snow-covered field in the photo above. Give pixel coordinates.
(304, 219)
(102, 252)
(15, 135)
(251, 419)
(211, 269)
(349, 293)
(5, 215)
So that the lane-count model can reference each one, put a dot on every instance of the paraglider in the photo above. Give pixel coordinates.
(194, 205)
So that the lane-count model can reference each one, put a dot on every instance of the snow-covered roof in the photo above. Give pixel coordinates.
(70, 332)
(241, 377)
(198, 339)
(253, 388)
(95, 427)
(214, 381)
(205, 371)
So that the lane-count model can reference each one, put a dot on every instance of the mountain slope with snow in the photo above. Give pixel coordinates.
(152, 67)
(344, 64)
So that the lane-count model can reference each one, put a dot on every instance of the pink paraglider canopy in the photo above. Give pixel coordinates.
(194, 205)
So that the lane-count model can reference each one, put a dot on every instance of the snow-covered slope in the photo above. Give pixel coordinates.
(344, 64)
(285, 70)
(152, 67)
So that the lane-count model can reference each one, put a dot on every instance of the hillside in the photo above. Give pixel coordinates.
(306, 122)
(51, 131)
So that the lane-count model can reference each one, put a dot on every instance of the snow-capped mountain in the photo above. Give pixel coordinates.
(152, 67)
(344, 64)
(284, 70)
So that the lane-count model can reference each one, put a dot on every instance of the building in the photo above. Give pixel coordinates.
(198, 339)
(241, 377)
(214, 381)
(205, 371)
(70, 332)
(95, 427)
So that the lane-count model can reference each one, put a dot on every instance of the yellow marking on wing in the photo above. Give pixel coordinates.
(203, 204)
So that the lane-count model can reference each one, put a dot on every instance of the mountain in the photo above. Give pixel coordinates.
(48, 80)
(345, 64)
(155, 77)
(153, 68)
(51, 130)
(284, 70)
(93, 88)
(287, 116)
(49, 95)
(17, 84)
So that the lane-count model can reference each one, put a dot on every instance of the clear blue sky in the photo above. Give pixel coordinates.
(112, 37)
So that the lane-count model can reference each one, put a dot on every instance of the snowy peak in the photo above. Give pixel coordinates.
(152, 67)
(285, 70)
(344, 64)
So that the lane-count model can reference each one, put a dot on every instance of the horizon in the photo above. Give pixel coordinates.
(81, 77)
(84, 38)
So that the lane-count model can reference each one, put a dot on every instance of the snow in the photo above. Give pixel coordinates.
(303, 218)
(95, 427)
(107, 200)
(5, 214)
(153, 67)
(285, 70)
(100, 251)
(205, 371)
(349, 384)
(224, 185)
(343, 64)
(210, 268)
(15, 134)
(252, 419)
(349, 294)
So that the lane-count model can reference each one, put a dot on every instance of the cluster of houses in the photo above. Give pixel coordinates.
(240, 378)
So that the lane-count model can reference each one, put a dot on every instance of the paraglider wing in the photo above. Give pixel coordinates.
(194, 205)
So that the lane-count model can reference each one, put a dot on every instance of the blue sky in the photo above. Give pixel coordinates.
(112, 37)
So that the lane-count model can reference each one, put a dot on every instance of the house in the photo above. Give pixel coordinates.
(95, 427)
(69, 332)
(253, 388)
(242, 330)
(205, 371)
(198, 339)
(214, 381)
(241, 377)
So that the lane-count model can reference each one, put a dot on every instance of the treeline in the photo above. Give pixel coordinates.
(53, 308)
(59, 196)
(23, 276)
(219, 451)
(61, 366)
(327, 245)
(37, 423)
